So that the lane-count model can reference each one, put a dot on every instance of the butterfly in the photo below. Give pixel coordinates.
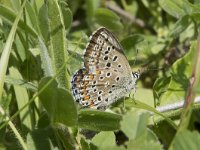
(106, 75)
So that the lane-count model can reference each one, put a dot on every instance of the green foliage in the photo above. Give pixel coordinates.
(41, 47)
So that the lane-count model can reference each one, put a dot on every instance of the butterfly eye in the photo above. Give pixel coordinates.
(136, 75)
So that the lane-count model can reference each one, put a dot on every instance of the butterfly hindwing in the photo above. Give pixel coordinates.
(97, 90)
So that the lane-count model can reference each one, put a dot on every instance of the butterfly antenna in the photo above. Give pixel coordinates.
(145, 69)
(136, 57)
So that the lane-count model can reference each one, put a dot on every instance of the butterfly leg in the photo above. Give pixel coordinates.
(131, 95)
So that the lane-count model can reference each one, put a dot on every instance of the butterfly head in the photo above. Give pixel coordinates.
(136, 75)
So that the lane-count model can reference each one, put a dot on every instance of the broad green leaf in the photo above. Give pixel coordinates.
(129, 45)
(160, 86)
(40, 139)
(141, 144)
(45, 59)
(98, 120)
(180, 74)
(107, 18)
(58, 102)
(58, 51)
(32, 16)
(22, 99)
(130, 41)
(20, 47)
(180, 26)
(186, 140)
(146, 98)
(43, 121)
(104, 139)
(84, 144)
(91, 6)
(134, 125)
(176, 8)
(67, 14)
(16, 4)
(138, 104)
(165, 132)
(64, 135)
(43, 22)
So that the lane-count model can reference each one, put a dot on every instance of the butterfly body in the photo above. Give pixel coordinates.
(106, 76)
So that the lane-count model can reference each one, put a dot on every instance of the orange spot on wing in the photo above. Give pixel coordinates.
(86, 97)
(91, 77)
(98, 72)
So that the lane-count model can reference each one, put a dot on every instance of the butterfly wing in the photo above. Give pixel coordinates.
(99, 90)
(107, 75)
(104, 51)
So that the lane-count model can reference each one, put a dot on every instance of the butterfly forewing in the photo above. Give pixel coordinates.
(106, 75)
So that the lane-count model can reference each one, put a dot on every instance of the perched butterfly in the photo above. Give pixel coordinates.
(106, 76)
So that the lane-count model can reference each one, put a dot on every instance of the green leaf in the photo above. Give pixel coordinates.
(108, 19)
(130, 41)
(130, 45)
(186, 140)
(43, 22)
(45, 59)
(180, 74)
(160, 86)
(141, 144)
(32, 16)
(176, 8)
(58, 51)
(58, 102)
(40, 139)
(9, 16)
(91, 6)
(165, 132)
(84, 144)
(22, 83)
(43, 121)
(22, 99)
(180, 26)
(66, 14)
(134, 125)
(98, 120)
(64, 135)
(20, 47)
(104, 139)
(7, 48)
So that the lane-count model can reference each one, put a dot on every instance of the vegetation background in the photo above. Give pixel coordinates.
(41, 47)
